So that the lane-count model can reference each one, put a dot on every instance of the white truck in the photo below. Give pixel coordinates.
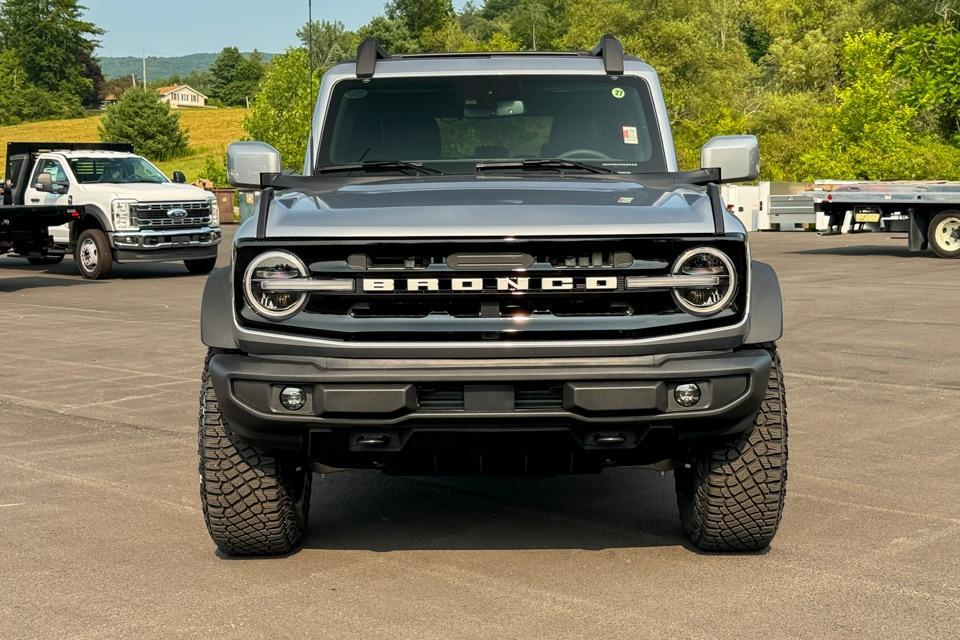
(929, 212)
(132, 211)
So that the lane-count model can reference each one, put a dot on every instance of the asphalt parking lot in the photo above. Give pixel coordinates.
(101, 534)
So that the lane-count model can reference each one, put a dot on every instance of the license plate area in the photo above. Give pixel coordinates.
(867, 216)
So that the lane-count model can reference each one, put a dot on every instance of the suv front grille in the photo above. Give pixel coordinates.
(156, 214)
(426, 301)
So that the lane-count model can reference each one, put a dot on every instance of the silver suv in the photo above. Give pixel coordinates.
(492, 265)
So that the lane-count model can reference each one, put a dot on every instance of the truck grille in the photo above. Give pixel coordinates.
(157, 214)
(488, 310)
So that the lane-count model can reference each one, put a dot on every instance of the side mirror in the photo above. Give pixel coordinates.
(246, 161)
(737, 157)
(44, 183)
(61, 187)
(179, 177)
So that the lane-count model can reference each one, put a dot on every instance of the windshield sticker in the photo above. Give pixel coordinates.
(630, 135)
(625, 200)
(618, 93)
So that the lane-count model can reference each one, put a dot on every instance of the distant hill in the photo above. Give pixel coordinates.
(158, 68)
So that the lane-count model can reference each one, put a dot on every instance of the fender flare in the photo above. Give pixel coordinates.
(766, 305)
(90, 211)
(216, 311)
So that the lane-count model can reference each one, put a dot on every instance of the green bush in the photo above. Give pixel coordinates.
(215, 170)
(151, 126)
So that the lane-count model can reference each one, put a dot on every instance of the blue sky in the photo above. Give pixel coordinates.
(180, 27)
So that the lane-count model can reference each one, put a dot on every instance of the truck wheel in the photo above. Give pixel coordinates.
(92, 254)
(254, 503)
(944, 234)
(200, 267)
(48, 260)
(732, 496)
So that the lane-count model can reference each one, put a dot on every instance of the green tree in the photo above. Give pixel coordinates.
(234, 77)
(54, 45)
(420, 15)
(872, 133)
(22, 101)
(281, 111)
(151, 126)
(331, 43)
(928, 59)
(392, 33)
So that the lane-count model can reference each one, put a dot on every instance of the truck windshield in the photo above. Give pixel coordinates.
(454, 123)
(115, 171)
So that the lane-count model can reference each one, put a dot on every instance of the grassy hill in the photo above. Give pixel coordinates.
(158, 68)
(210, 131)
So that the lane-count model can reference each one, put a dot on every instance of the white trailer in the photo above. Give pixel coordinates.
(775, 206)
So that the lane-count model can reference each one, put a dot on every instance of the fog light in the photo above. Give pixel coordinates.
(687, 395)
(293, 398)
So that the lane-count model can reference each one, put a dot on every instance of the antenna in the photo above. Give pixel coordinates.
(311, 72)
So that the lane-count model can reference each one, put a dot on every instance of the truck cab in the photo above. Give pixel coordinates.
(133, 212)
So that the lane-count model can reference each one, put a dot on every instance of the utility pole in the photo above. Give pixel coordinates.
(310, 39)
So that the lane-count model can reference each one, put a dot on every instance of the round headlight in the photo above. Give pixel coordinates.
(706, 300)
(274, 266)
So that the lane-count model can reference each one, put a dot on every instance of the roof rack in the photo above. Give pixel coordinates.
(609, 48)
(368, 53)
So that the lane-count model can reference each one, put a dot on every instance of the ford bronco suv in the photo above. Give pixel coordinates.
(492, 265)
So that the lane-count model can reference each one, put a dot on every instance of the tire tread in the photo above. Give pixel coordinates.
(248, 504)
(733, 497)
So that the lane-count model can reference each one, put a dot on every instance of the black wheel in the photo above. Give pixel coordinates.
(46, 260)
(731, 498)
(93, 255)
(200, 267)
(254, 503)
(944, 234)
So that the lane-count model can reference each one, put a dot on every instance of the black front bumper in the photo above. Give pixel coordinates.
(459, 416)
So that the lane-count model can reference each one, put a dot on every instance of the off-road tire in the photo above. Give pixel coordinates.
(200, 267)
(49, 260)
(945, 248)
(732, 496)
(104, 255)
(254, 503)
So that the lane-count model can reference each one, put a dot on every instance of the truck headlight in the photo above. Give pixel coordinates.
(120, 211)
(214, 213)
(274, 266)
(710, 300)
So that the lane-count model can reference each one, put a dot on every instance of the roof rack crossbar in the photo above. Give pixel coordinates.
(612, 52)
(368, 53)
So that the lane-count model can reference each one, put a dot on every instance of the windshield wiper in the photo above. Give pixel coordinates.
(380, 165)
(542, 164)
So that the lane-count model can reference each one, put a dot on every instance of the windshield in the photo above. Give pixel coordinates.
(454, 123)
(115, 171)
